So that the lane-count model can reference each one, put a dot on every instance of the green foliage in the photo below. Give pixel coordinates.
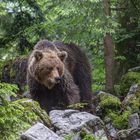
(18, 17)
(14, 120)
(120, 58)
(127, 80)
(98, 73)
(98, 76)
(18, 116)
(7, 90)
(120, 121)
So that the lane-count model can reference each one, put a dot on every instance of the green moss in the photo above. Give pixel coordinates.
(120, 121)
(89, 137)
(18, 116)
(78, 106)
(83, 135)
(134, 102)
(86, 136)
(127, 80)
(108, 103)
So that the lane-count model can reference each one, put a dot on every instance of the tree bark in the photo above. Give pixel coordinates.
(109, 63)
(108, 53)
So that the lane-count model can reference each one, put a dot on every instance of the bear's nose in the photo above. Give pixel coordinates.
(57, 79)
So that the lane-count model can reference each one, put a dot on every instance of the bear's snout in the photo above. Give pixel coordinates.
(57, 79)
(52, 81)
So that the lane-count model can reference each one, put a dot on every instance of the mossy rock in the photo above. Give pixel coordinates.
(119, 121)
(78, 106)
(18, 116)
(132, 102)
(83, 135)
(127, 80)
(109, 102)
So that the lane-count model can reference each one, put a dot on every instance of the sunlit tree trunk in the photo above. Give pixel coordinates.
(108, 53)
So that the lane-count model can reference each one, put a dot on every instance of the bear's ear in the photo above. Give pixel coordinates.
(38, 55)
(62, 55)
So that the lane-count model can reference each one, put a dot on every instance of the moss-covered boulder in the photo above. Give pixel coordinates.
(110, 107)
(132, 100)
(18, 116)
(107, 102)
(119, 119)
(127, 80)
(110, 103)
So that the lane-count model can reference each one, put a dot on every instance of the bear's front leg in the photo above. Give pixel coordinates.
(72, 92)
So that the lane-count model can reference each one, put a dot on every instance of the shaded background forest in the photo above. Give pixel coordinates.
(107, 30)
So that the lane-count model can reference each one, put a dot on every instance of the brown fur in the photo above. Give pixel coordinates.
(58, 75)
(45, 67)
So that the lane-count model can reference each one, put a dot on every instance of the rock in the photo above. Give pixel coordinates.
(135, 69)
(132, 100)
(68, 121)
(40, 132)
(26, 94)
(134, 120)
(103, 95)
(101, 134)
(133, 89)
(110, 129)
(129, 134)
(128, 98)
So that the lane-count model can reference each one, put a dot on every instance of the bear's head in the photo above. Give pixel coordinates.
(47, 67)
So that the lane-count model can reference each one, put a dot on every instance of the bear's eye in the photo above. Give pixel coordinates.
(58, 69)
(49, 68)
(41, 69)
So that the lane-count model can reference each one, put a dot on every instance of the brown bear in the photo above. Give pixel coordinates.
(58, 75)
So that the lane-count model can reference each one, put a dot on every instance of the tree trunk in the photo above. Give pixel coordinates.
(108, 53)
(109, 63)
